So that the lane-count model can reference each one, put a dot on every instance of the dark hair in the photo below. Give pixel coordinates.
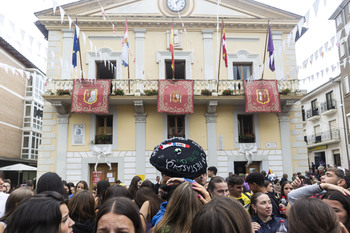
(16, 197)
(224, 215)
(235, 180)
(213, 169)
(147, 184)
(133, 185)
(86, 186)
(101, 188)
(50, 181)
(254, 200)
(121, 206)
(116, 190)
(40, 213)
(340, 174)
(146, 194)
(255, 177)
(343, 200)
(65, 184)
(302, 217)
(267, 182)
(282, 188)
(82, 206)
(214, 181)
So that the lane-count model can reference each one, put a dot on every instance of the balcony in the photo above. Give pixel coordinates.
(312, 114)
(323, 138)
(328, 107)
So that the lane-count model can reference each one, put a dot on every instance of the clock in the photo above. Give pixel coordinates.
(176, 5)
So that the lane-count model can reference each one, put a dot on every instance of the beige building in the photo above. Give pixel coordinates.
(21, 98)
(133, 127)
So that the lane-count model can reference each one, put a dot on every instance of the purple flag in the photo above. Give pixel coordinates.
(270, 49)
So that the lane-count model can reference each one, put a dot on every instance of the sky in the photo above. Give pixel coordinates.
(320, 29)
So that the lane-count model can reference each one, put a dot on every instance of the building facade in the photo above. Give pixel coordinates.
(133, 127)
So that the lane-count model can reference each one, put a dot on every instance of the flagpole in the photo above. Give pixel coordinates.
(217, 87)
(81, 63)
(267, 32)
(126, 22)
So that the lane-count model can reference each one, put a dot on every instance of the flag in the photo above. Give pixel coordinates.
(270, 49)
(125, 46)
(270, 172)
(224, 52)
(171, 49)
(75, 46)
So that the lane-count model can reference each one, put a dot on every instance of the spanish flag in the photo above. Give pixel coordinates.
(171, 49)
(270, 172)
(224, 52)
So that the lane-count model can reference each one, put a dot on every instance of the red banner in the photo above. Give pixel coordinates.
(175, 96)
(262, 96)
(90, 96)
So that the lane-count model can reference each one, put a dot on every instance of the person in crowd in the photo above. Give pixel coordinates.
(264, 221)
(101, 188)
(156, 185)
(269, 186)
(118, 214)
(180, 211)
(135, 184)
(224, 215)
(212, 171)
(116, 190)
(229, 175)
(7, 186)
(162, 190)
(147, 184)
(82, 185)
(202, 179)
(235, 187)
(264, 174)
(67, 189)
(217, 187)
(148, 203)
(313, 215)
(340, 204)
(284, 178)
(94, 192)
(3, 196)
(15, 199)
(45, 212)
(82, 210)
(256, 184)
(50, 181)
(277, 188)
(286, 188)
(245, 184)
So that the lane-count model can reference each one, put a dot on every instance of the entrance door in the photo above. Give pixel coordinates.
(320, 156)
(240, 167)
(103, 173)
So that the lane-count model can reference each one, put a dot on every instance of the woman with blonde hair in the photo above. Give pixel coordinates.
(182, 207)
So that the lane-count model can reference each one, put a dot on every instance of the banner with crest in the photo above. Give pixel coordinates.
(90, 96)
(175, 96)
(262, 96)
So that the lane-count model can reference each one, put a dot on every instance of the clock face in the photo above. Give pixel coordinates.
(176, 5)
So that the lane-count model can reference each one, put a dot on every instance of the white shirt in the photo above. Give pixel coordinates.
(3, 199)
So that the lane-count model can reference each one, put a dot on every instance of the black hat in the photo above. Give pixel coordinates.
(179, 157)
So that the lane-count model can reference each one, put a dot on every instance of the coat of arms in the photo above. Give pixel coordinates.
(262, 96)
(90, 96)
(175, 97)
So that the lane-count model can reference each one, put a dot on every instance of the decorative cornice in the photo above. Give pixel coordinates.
(61, 107)
(63, 118)
(138, 104)
(211, 109)
(140, 118)
(211, 118)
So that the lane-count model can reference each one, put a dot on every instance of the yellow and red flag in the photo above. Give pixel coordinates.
(171, 49)
(224, 52)
(270, 172)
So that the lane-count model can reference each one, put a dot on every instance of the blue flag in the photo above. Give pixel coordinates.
(75, 47)
(270, 49)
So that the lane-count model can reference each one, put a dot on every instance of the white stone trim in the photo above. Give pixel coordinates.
(208, 54)
(242, 56)
(178, 55)
(103, 54)
(139, 52)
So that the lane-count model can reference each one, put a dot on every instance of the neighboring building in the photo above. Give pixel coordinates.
(342, 23)
(323, 121)
(20, 115)
(133, 126)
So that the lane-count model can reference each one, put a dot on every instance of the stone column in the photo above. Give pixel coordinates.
(62, 134)
(67, 53)
(140, 120)
(208, 54)
(285, 141)
(139, 52)
(211, 133)
(279, 64)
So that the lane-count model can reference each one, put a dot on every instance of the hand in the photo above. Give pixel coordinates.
(204, 196)
(175, 181)
(297, 183)
(330, 187)
(255, 226)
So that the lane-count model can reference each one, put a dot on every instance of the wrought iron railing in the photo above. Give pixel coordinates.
(323, 136)
(312, 112)
(328, 105)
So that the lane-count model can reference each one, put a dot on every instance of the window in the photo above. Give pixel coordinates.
(104, 129)
(245, 129)
(342, 49)
(105, 70)
(242, 71)
(317, 130)
(346, 85)
(30, 143)
(329, 100)
(314, 107)
(176, 126)
(303, 113)
(33, 115)
(338, 20)
(180, 69)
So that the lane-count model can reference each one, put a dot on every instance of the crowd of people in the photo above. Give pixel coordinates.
(187, 197)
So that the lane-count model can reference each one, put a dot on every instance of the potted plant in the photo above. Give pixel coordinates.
(227, 92)
(151, 92)
(62, 92)
(103, 139)
(119, 92)
(286, 91)
(206, 92)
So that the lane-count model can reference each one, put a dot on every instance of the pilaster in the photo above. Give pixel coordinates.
(140, 121)
(62, 134)
(211, 116)
(139, 52)
(286, 145)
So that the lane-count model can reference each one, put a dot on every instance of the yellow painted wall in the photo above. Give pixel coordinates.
(198, 129)
(224, 126)
(269, 129)
(78, 118)
(154, 127)
(126, 128)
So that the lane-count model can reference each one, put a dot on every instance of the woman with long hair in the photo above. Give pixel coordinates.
(50, 181)
(116, 190)
(180, 211)
(82, 185)
(285, 189)
(82, 210)
(101, 188)
(135, 184)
